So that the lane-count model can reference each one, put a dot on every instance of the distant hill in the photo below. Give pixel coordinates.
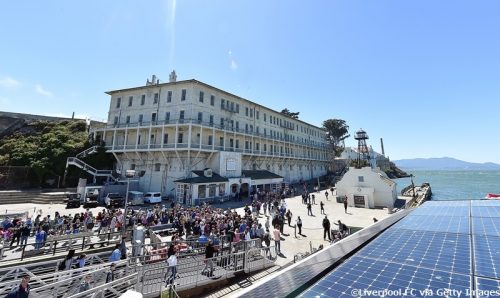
(443, 163)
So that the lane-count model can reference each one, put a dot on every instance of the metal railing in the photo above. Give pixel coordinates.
(86, 167)
(143, 276)
(64, 242)
(194, 271)
(86, 152)
(112, 289)
(45, 273)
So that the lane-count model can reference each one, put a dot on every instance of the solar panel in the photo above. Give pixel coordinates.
(449, 224)
(446, 203)
(364, 274)
(446, 251)
(485, 211)
(485, 203)
(442, 210)
(487, 256)
(486, 226)
(487, 287)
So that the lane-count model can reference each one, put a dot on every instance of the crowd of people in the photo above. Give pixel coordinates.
(264, 218)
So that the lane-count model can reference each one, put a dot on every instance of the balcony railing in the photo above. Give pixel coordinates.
(195, 146)
(224, 127)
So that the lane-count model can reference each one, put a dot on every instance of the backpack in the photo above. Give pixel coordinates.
(62, 265)
(267, 239)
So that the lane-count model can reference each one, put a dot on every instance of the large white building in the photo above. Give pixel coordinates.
(171, 129)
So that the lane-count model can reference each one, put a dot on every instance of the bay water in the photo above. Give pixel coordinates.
(455, 185)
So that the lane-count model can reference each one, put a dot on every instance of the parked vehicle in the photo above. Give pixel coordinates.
(73, 200)
(113, 199)
(91, 198)
(135, 198)
(152, 197)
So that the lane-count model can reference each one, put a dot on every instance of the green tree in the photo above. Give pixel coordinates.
(336, 132)
(294, 115)
(44, 146)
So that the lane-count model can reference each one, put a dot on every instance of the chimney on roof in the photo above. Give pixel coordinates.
(153, 81)
(173, 77)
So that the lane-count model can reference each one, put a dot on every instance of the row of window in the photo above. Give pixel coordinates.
(231, 124)
(212, 187)
(232, 143)
(156, 99)
(225, 105)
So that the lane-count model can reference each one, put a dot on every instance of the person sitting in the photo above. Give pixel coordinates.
(116, 254)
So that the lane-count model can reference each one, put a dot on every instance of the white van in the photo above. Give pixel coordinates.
(135, 197)
(152, 197)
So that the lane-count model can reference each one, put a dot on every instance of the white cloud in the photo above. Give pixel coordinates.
(8, 82)
(233, 65)
(40, 90)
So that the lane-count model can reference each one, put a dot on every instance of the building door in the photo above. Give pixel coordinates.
(359, 201)
(244, 190)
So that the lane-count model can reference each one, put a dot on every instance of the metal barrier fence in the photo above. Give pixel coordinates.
(112, 289)
(150, 277)
(45, 274)
(194, 271)
(63, 243)
(152, 253)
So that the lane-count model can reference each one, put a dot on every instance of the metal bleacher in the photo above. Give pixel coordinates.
(145, 273)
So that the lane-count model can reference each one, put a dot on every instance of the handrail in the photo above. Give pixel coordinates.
(90, 169)
(132, 278)
(86, 152)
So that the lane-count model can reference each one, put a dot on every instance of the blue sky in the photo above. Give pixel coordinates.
(423, 75)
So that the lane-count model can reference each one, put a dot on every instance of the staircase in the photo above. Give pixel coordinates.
(73, 161)
(33, 196)
(86, 152)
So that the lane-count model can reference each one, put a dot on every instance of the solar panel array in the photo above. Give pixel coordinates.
(440, 247)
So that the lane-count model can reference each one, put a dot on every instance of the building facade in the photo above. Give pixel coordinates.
(367, 188)
(171, 129)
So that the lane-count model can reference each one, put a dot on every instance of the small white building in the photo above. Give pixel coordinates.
(368, 188)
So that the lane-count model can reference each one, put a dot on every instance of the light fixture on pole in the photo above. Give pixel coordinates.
(129, 174)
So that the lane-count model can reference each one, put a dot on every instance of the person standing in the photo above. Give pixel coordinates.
(68, 261)
(309, 210)
(123, 248)
(345, 204)
(322, 205)
(25, 233)
(289, 217)
(85, 284)
(110, 274)
(39, 237)
(21, 291)
(277, 239)
(16, 233)
(209, 254)
(299, 225)
(81, 260)
(326, 195)
(313, 199)
(172, 265)
(326, 228)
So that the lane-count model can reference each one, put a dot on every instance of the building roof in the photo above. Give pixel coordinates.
(193, 81)
(202, 179)
(260, 174)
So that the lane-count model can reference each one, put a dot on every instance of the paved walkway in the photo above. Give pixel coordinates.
(312, 231)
